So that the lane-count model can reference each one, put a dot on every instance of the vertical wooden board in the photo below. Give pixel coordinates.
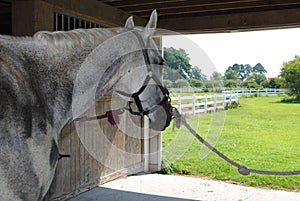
(74, 155)
(120, 146)
(107, 146)
(99, 140)
(86, 154)
(23, 18)
(82, 155)
(43, 16)
(109, 132)
(137, 143)
(98, 166)
(78, 146)
(57, 182)
(133, 140)
(94, 145)
(65, 162)
(94, 142)
(90, 135)
(128, 157)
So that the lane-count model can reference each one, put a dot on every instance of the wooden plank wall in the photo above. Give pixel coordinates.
(93, 160)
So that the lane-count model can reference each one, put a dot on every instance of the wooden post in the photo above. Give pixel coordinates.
(30, 16)
(224, 101)
(146, 144)
(22, 18)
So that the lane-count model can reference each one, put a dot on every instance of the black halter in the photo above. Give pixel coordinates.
(135, 96)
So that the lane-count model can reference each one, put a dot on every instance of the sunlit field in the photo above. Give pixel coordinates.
(263, 133)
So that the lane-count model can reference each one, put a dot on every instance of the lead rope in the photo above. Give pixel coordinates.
(180, 120)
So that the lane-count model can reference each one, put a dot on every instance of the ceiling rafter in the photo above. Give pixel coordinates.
(217, 9)
(121, 4)
(187, 16)
(216, 6)
(181, 4)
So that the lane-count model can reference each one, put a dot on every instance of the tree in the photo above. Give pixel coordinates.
(176, 62)
(234, 83)
(216, 76)
(273, 83)
(250, 84)
(242, 70)
(168, 83)
(290, 74)
(197, 74)
(214, 85)
(171, 74)
(258, 78)
(180, 83)
(196, 83)
(258, 68)
(231, 75)
(231, 79)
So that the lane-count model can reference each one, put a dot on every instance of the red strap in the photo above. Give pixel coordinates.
(111, 115)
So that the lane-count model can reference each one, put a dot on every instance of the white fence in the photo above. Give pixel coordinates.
(267, 91)
(203, 104)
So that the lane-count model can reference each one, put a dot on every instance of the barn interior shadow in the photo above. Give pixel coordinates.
(105, 194)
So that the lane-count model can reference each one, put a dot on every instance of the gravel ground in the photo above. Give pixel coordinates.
(156, 187)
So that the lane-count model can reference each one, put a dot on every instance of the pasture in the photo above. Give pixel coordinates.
(263, 133)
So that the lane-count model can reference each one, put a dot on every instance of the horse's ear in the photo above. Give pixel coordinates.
(129, 23)
(151, 26)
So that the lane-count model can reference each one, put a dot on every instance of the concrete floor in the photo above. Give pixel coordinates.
(156, 187)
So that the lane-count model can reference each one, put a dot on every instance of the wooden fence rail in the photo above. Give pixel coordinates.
(266, 91)
(203, 104)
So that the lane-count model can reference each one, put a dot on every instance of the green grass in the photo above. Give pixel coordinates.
(264, 133)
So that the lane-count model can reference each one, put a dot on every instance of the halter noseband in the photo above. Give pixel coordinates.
(135, 96)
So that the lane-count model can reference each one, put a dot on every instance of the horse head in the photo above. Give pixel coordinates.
(130, 65)
(142, 84)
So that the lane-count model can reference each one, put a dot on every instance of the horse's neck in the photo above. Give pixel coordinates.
(55, 71)
(52, 73)
(53, 78)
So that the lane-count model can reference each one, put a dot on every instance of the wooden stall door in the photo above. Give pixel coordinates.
(99, 151)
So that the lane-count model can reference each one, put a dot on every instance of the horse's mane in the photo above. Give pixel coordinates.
(78, 38)
(67, 40)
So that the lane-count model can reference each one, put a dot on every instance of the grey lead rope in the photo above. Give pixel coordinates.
(180, 120)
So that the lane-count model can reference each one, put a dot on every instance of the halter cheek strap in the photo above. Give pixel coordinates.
(135, 96)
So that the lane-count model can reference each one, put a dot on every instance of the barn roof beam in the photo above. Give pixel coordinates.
(266, 19)
(96, 11)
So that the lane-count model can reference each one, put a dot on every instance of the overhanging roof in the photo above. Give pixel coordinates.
(197, 16)
(186, 16)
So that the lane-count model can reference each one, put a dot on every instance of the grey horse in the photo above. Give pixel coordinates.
(44, 77)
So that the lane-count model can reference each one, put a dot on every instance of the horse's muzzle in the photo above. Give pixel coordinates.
(160, 118)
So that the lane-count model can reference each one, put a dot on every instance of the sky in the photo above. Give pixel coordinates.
(218, 51)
